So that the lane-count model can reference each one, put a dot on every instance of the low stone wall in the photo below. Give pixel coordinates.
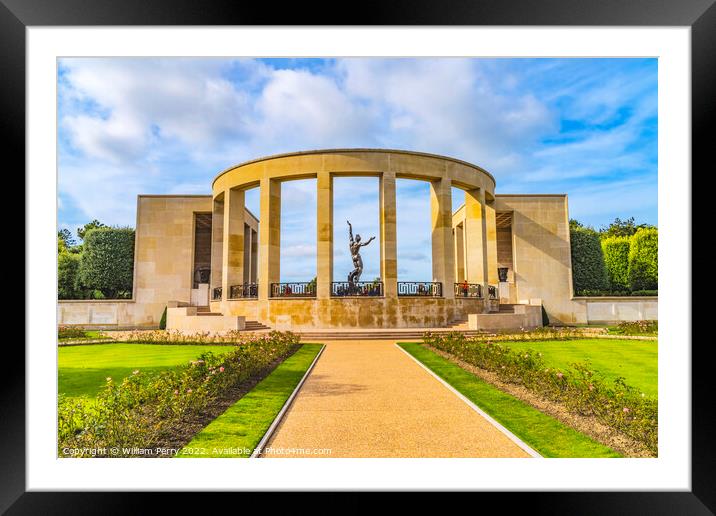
(97, 314)
(364, 312)
(186, 320)
(613, 310)
(525, 317)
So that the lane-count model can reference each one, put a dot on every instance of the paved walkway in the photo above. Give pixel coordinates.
(370, 399)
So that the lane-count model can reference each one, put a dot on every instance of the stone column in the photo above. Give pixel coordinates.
(476, 238)
(459, 253)
(388, 238)
(269, 236)
(254, 256)
(217, 239)
(232, 263)
(443, 246)
(491, 233)
(324, 234)
(247, 254)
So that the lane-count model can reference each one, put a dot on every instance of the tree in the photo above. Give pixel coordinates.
(108, 261)
(95, 224)
(622, 228)
(644, 260)
(66, 243)
(588, 269)
(68, 265)
(616, 259)
(574, 223)
(66, 236)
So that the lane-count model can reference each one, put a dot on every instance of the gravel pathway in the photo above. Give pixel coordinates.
(369, 399)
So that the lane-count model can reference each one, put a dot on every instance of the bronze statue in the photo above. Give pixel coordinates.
(355, 245)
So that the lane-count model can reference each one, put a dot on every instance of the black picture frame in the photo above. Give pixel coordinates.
(700, 15)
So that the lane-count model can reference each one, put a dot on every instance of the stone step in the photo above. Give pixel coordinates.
(255, 325)
(402, 335)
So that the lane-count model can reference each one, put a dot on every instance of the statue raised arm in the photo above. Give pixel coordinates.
(355, 245)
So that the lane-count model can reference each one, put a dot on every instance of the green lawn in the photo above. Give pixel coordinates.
(635, 360)
(542, 432)
(237, 431)
(83, 369)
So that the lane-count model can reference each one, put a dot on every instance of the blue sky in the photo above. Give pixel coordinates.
(585, 127)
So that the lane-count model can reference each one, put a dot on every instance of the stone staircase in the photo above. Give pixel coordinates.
(459, 324)
(505, 309)
(381, 334)
(205, 310)
(255, 326)
(250, 325)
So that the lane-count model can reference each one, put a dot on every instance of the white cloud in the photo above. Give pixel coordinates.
(108, 194)
(132, 126)
(298, 251)
(135, 101)
(309, 110)
(446, 106)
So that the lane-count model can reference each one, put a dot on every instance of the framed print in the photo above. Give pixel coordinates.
(416, 252)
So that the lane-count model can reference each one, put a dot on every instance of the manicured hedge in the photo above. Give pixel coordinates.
(644, 260)
(68, 266)
(616, 259)
(617, 293)
(588, 270)
(108, 260)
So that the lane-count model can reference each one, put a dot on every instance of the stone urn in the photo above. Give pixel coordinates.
(502, 274)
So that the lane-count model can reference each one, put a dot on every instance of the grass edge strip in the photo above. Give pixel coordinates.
(519, 442)
(277, 420)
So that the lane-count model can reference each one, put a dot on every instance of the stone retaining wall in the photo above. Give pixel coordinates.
(612, 310)
(98, 314)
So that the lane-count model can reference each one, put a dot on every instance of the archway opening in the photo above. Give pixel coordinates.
(298, 234)
(356, 200)
(414, 231)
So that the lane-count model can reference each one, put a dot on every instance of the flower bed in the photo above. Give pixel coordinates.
(175, 337)
(579, 389)
(69, 332)
(636, 328)
(139, 410)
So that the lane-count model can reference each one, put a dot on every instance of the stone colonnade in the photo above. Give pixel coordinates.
(228, 241)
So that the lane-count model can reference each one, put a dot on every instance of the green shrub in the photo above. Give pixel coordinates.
(108, 261)
(616, 260)
(68, 266)
(645, 293)
(588, 270)
(603, 293)
(636, 328)
(545, 317)
(616, 293)
(579, 389)
(644, 260)
(70, 332)
(163, 320)
(143, 409)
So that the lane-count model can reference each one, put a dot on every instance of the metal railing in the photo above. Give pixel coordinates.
(492, 292)
(468, 290)
(420, 288)
(295, 289)
(244, 290)
(216, 294)
(360, 288)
